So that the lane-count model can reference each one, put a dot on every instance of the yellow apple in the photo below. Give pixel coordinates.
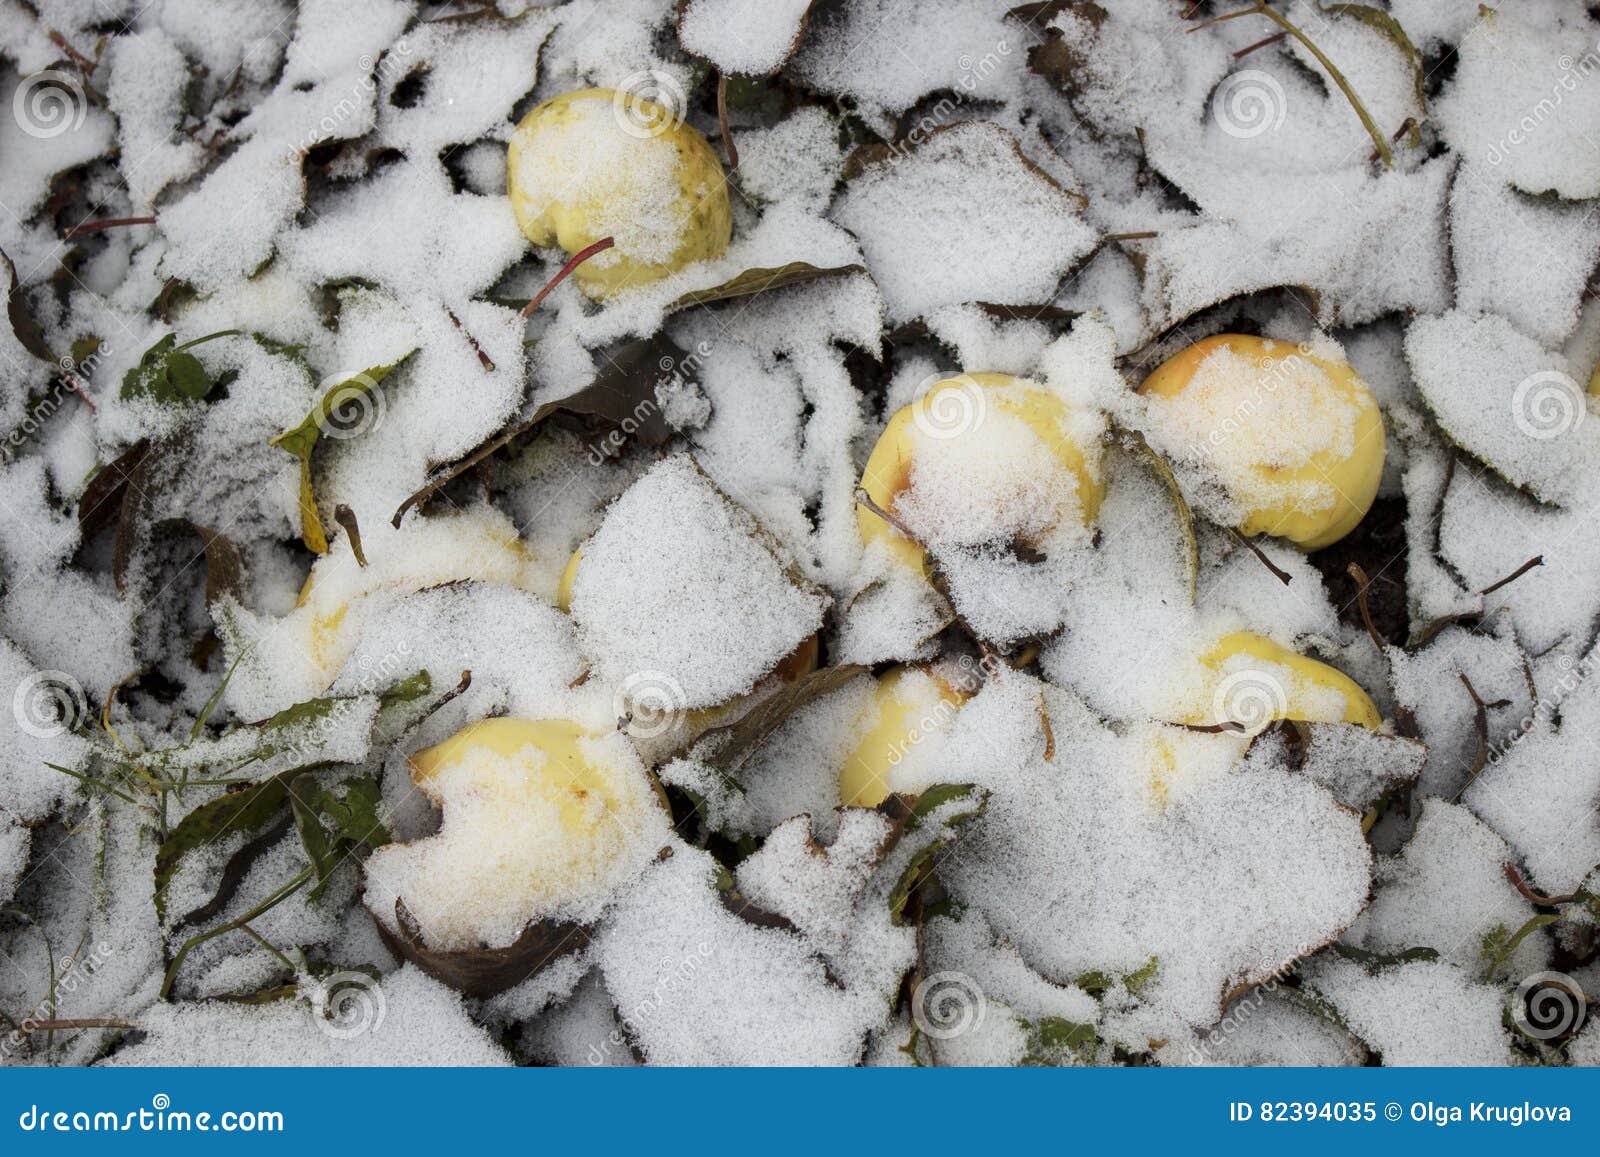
(1250, 681)
(908, 704)
(599, 163)
(429, 552)
(1294, 437)
(539, 816)
(953, 409)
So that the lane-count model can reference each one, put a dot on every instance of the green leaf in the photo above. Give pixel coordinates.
(301, 440)
(1498, 947)
(168, 374)
(187, 376)
(1054, 1039)
(249, 809)
(408, 690)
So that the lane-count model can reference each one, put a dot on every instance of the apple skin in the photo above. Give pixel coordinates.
(888, 469)
(901, 707)
(1358, 707)
(1355, 478)
(575, 223)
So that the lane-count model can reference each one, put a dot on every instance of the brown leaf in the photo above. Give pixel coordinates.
(484, 972)
(23, 324)
(762, 280)
(731, 746)
(622, 395)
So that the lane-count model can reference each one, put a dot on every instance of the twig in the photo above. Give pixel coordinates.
(576, 260)
(1249, 48)
(85, 65)
(1538, 899)
(1362, 583)
(722, 123)
(1263, 9)
(107, 223)
(1480, 721)
(84, 1022)
(1141, 236)
(1278, 572)
(1535, 561)
(483, 358)
(198, 939)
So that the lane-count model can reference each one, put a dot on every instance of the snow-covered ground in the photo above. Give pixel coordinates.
(848, 619)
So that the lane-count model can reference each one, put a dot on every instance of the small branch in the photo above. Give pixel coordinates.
(722, 123)
(1278, 573)
(576, 260)
(107, 223)
(195, 941)
(85, 1022)
(483, 358)
(1480, 721)
(1263, 9)
(346, 518)
(865, 499)
(1362, 583)
(1536, 561)
(1249, 48)
(1538, 899)
(1144, 236)
(85, 65)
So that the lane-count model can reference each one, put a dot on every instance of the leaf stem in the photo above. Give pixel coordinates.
(200, 938)
(576, 260)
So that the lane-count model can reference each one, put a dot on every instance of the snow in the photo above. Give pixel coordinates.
(963, 216)
(1053, 201)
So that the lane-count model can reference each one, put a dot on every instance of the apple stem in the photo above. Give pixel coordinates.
(576, 260)
(1278, 573)
(865, 499)
(1535, 561)
(107, 223)
(1362, 583)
